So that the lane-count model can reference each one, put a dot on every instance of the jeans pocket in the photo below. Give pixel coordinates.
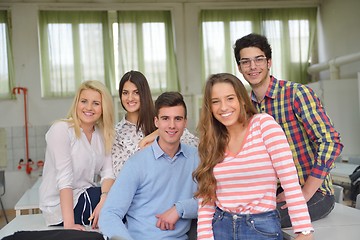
(268, 227)
(217, 217)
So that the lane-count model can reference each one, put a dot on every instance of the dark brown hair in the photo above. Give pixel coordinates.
(147, 109)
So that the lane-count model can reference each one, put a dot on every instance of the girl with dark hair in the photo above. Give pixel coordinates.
(137, 128)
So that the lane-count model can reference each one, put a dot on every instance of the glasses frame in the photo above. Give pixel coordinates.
(258, 61)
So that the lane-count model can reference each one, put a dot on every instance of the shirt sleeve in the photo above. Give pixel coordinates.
(320, 130)
(116, 154)
(188, 208)
(58, 144)
(205, 216)
(107, 169)
(281, 157)
(189, 138)
(118, 202)
(125, 144)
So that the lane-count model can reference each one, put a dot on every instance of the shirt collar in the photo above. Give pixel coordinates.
(126, 122)
(272, 90)
(158, 152)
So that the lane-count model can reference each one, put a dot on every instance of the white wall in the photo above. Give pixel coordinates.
(342, 96)
(339, 34)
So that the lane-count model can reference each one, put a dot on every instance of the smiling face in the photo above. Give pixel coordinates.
(225, 105)
(130, 97)
(171, 123)
(89, 108)
(255, 75)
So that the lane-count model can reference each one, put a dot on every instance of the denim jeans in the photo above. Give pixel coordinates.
(319, 206)
(262, 226)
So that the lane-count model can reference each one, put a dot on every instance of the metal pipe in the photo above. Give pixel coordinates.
(18, 90)
(334, 64)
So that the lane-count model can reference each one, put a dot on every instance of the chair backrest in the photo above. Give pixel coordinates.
(338, 193)
(357, 204)
(2, 182)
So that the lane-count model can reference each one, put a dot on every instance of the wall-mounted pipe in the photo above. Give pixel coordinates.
(18, 90)
(334, 64)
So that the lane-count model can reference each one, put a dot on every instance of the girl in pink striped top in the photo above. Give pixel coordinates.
(243, 154)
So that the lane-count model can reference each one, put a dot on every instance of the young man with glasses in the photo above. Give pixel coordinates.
(314, 142)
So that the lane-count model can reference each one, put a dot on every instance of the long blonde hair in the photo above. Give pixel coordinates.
(214, 136)
(106, 120)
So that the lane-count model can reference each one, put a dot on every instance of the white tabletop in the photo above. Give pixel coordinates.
(340, 173)
(25, 223)
(342, 223)
(30, 199)
(37, 183)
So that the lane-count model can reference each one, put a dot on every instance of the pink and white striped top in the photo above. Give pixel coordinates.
(247, 181)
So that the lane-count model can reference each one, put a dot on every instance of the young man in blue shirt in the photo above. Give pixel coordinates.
(155, 188)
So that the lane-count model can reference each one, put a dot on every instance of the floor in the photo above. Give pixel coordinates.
(10, 216)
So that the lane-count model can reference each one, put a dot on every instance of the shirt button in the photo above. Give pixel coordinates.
(235, 217)
(262, 109)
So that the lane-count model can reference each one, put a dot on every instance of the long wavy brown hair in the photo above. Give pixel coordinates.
(214, 136)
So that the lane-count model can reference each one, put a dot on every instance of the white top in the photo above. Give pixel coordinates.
(70, 163)
(127, 140)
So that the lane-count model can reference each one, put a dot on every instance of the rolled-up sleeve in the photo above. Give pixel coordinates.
(320, 130)
(59, 147)
(107, 169)
(188, 208)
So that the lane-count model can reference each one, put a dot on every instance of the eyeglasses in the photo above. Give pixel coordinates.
(259, 61)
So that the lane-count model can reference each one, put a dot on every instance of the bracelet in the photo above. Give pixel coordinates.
(103, 194)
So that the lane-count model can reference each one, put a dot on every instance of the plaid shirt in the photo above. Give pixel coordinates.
(314, 142)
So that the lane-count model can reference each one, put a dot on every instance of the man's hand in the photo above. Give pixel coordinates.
(281, 198)
(168, 219)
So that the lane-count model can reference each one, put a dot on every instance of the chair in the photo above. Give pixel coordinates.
(338, 193)
(357, 203)
(2, 190)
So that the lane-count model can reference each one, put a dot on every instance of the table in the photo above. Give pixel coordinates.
(37, 183)
(340, 174)
(342, 223)
(29, 200)
(26, 223)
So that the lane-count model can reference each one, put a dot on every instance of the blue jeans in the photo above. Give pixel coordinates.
(319, 206)
(262, 226)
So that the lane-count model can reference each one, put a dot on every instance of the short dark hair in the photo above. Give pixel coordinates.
(252, 40)
(169, 99)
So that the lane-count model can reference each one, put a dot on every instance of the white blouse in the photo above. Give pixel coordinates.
(127, 140)
(70, 163)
